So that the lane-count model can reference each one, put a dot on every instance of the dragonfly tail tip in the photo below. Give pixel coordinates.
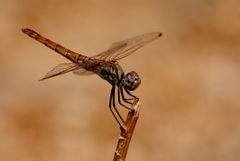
(25, 30)
(42, 79)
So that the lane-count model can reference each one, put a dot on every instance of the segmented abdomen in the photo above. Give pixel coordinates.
(72, 56)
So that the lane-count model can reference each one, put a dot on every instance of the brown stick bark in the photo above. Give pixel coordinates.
(126, 134)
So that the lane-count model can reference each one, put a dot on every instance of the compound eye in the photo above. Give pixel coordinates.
(131, 81)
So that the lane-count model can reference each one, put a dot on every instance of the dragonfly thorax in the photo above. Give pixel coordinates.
(131, 81)
(112, 72)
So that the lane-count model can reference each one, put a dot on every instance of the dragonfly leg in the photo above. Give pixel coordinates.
(127, 99)
(112, 104)
(123, 97)
(119, 99)
(134, 98)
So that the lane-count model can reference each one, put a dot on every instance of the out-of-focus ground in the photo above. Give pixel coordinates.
(190, 104)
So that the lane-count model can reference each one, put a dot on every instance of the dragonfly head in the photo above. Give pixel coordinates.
(131, 81)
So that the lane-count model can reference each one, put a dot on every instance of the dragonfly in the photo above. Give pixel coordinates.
(104, 64)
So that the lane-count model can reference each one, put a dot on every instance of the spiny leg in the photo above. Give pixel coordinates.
(119, 99)
(115, 105)
(110, 107)
(112, 102)
(134, 97)
(123, 97)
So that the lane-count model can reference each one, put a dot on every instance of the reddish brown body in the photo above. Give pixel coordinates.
(71, 55)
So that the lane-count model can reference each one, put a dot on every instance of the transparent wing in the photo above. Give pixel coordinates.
(82, 71)
(105, 55)
(121, 49)
(61, 69)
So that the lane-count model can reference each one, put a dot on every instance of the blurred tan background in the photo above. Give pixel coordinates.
(190, 89)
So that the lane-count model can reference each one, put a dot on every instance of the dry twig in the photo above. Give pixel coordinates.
(126, 134)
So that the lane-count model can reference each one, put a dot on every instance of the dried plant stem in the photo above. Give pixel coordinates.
(126, 134)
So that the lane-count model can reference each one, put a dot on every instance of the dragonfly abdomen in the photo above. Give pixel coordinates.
(71, 55)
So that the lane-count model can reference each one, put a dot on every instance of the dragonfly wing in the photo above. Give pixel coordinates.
(121, 49)
(82, 71)
(61, 69)
(106, 55)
